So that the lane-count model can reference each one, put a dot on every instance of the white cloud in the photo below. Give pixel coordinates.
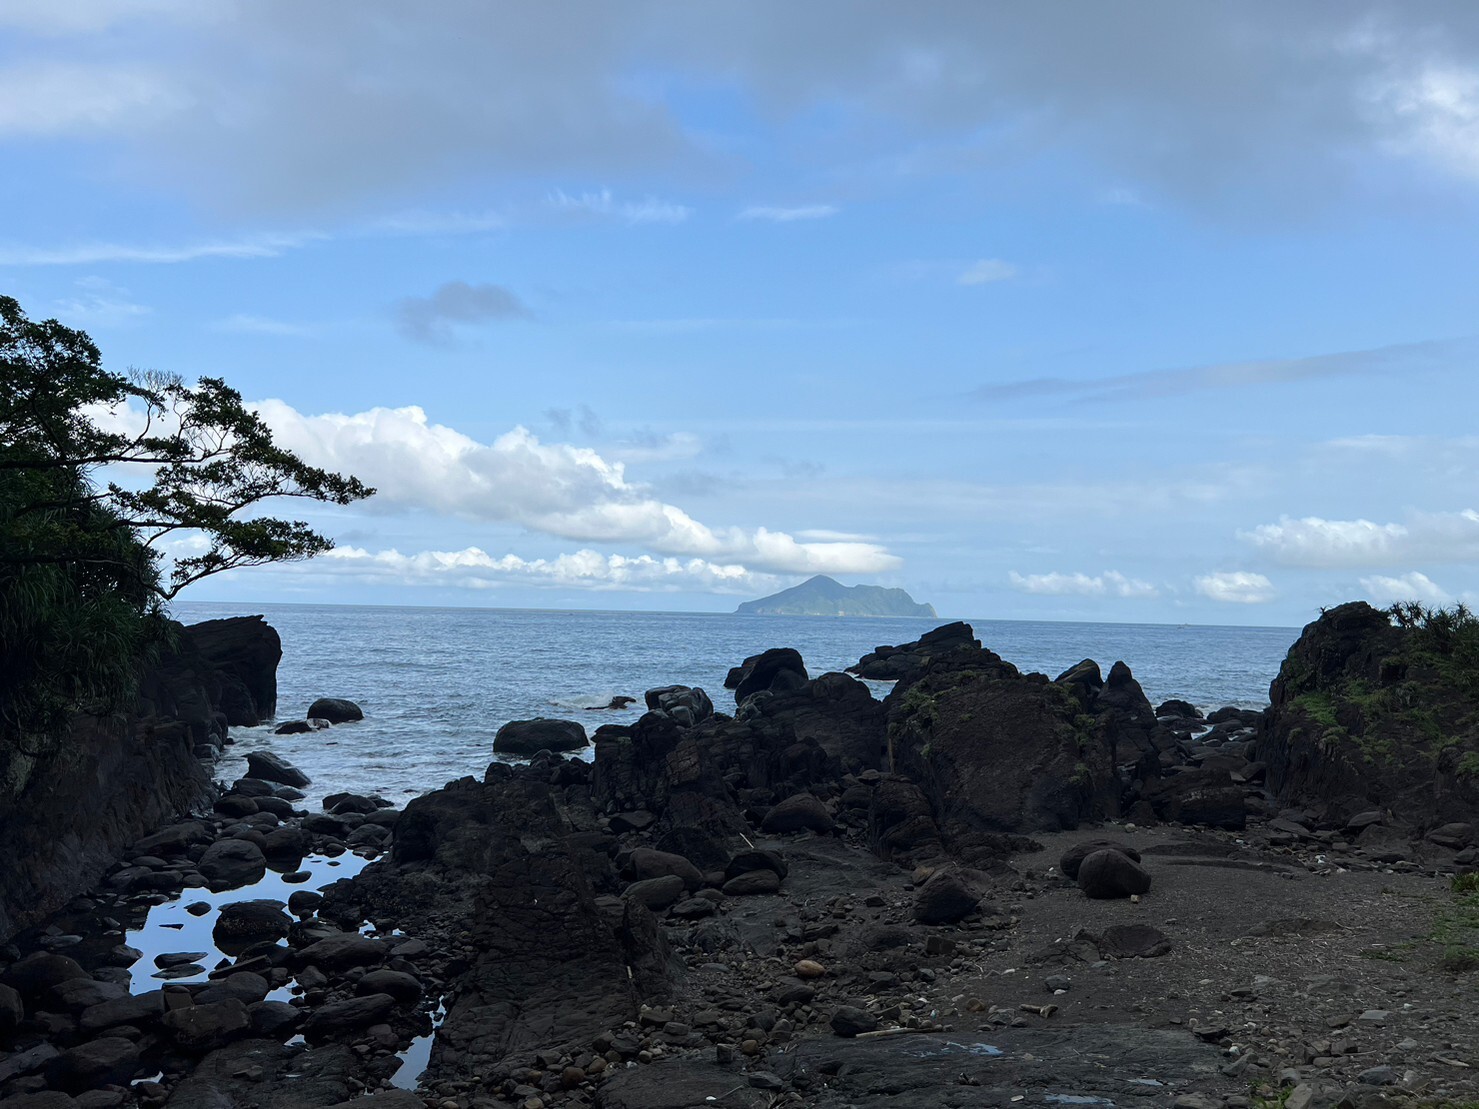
(86, 254)
(1313, 541)
(51, 98)
(1426, 537)
(554, 488)
(604, 204)
(986, 271)
(1411, 586)
(1111, 583)
(1235, 587)
(474, 568)
(788, 215)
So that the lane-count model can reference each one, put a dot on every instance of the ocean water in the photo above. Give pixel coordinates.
(437, 683)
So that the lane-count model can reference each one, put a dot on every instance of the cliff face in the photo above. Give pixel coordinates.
(68, 809)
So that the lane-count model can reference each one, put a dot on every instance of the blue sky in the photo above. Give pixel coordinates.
(1134, 312)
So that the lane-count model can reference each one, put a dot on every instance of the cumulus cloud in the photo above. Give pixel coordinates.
(433, 319)
(1237, 587)
(553, 488)
(475, 568)
(986, 271)
(1411, 586)
(1111, 583)
(787, 215)
(1314, 541)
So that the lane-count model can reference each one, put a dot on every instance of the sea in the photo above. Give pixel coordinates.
(436, 684)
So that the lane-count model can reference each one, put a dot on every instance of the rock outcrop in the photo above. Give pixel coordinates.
(1365, 715)
(67, 811)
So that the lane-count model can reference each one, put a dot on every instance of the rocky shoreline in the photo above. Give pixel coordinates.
(989, 888)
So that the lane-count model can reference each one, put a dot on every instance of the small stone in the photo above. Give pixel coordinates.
(1057, 982)
(572, 1077)
(809, 968)
(764, 1080)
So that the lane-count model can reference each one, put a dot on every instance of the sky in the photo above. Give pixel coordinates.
(1134, 312)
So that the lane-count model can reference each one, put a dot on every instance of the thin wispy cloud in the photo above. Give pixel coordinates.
(771, 214)
(605, 205)
(987, 271)
(1398, 358)
(243, 323)
(96, 253)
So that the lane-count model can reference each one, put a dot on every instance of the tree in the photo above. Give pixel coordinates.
(83, 579)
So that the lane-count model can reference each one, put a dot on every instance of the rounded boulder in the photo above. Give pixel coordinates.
(1108, 874)
(529, 737)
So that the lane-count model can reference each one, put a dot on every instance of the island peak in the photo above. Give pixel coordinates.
(823, 596)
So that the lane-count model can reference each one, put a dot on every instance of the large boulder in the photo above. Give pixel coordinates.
(801, 812)
(230, 863)
(274, 768)
(336, 710)
(1111, 873)
(529, 737)
(687, 705)
(777, 670)
(242, 922)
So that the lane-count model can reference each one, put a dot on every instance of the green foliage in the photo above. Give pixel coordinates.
(82, 578)
(1466, 883)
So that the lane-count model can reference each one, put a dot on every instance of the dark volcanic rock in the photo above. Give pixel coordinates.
(546, 964)
(229, 863)
(336, 710)
(801, 812)
(946, 898)
(688, 706)
(202, 1027)
(528, 737)
(110, 1059)
(777, 670)
(892, 663)
(1073, 858)
(850, 1020)
(1110, 873)
(348, 1015)
(274, 768)
(243, 921)
(1366, 715)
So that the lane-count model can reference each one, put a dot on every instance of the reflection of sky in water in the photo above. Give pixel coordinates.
(415, 1058)
(169, 928)
(950, 1047)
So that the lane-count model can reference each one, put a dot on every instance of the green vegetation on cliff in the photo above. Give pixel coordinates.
(98, 472)
(823, 596)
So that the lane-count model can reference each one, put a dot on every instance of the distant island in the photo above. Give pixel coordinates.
(822, 596)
